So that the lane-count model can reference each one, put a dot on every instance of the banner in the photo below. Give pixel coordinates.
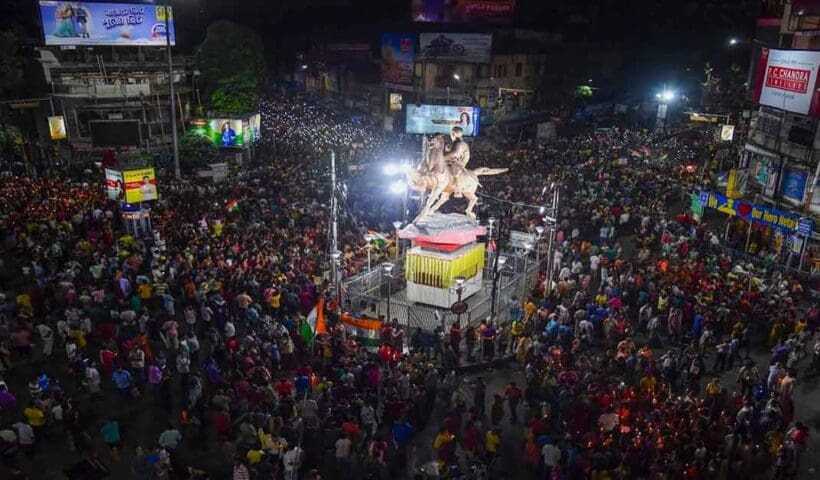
(140, 185)
(87, 23)
(395, 102)
(789, 81)
(755, 213)
(114, 185)
(229, 132)
(398, 60)
(56, 127)
(463, 11)
(432, 119)
(455, 47)
(794, 183)
(727, 133)
(364, 330)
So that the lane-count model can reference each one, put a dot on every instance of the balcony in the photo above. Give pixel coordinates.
(103, 90)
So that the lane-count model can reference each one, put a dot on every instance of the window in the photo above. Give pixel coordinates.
(519, 69)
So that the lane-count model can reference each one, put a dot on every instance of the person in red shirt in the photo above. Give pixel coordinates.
(284, 387)
(513, 395)
(455, 337)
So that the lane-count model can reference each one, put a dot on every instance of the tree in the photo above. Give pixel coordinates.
(235, 96)
(196, 150)
(230, 51)
(11, 64)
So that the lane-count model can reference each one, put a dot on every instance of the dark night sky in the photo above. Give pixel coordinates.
(655, 37)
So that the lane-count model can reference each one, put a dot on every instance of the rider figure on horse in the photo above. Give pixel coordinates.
(457, 155)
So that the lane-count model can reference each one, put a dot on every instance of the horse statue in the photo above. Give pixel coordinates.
(444, 180)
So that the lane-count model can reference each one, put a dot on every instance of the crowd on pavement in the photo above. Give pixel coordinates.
(223, 327)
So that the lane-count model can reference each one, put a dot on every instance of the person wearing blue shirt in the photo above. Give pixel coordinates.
(122, 379)
(402, 431)
(228, 135)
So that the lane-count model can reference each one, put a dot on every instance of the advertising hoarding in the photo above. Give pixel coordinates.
(114, 186)
(56, 127)
(395, 102)
(455, 47)
(256, 127)
(93, 23)
(462, 11)
(789, 81)
(794, 183)
(432, 119)
(750, 212)
(140, 185)
(229, 132)
(727, 133)
(398, 57)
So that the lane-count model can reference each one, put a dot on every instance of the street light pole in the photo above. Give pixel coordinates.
(387, 268)
(177, 171)
(459, 289)
(369, 239)
(397, 226)
(556, 196)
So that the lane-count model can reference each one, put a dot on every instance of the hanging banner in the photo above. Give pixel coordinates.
(398, 57)
(727, 133)
(56, 127)
(114, 185)
(794, 184)
(140, 185)
(462, 11)
(755, 213)
(395, 102)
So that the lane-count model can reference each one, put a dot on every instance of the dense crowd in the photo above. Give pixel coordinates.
(221, 333)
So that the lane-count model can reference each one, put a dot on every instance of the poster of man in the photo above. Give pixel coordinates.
(140, 185)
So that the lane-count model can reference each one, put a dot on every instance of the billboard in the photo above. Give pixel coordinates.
(455, 47)
(93, 23)
(229, 132)
(462, 11)
(794, 183)
(256, 127)
(140, 185)
(398, 57)
(432, 119)
(789, 81)
(115, 133)
(395, 102)
(114, 186)
(56, 127)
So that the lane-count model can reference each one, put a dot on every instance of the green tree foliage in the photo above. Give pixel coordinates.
(196, 151)
(231, 54)
(11, 64)
(235, 96)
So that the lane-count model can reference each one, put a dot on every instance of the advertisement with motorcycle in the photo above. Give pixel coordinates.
(455, 47)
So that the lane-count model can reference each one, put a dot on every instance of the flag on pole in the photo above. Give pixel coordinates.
(379, 239)
(364, 330)
(315, 323)
(232, 206)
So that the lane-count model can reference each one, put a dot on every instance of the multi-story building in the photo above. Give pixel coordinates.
(89, 84)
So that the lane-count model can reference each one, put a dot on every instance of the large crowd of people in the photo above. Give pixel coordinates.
(199, 351)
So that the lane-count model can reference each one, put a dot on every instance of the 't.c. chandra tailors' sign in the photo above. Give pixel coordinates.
(747, 211)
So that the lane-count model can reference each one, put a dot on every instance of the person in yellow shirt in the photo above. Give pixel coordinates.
(648, 383)
(145, 291)
(24, 302)
(492, 442)
(600, 299)
(529, 309)
(713, 388)
(36, 418)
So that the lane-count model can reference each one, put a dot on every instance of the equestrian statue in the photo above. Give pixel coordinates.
(443, 172)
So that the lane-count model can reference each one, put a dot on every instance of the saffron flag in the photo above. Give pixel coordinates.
(232, 206)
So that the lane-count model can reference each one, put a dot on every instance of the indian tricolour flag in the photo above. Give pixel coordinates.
(232, 206)
(315, 323)
(364, 330)
(379, 239)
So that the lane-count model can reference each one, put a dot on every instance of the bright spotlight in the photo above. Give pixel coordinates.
(733, 41)
(304, 67)
(391, 169)
(668, 95)
(456, 76)
(398, 187)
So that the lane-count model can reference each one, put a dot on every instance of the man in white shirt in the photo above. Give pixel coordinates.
(291, 460)
(343, 447)
(552, 457)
